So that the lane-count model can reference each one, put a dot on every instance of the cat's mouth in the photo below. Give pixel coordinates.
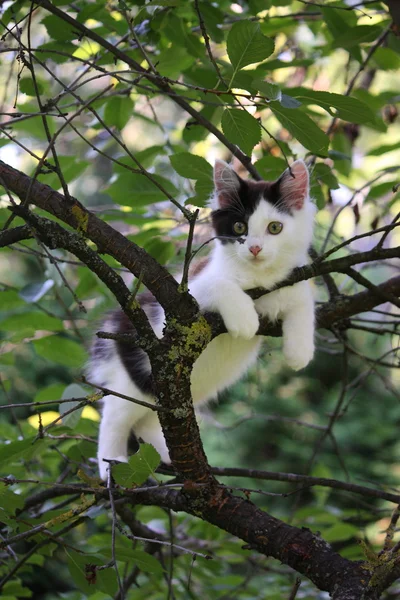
(257, 260)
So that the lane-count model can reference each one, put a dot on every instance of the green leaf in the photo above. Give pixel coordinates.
(256, 6)
(340, 532)
(59, 52)
(139, 467)
(80, 568)
(213, 18)
(302, 128)
(204, 188)
(32, 321)
(191, 166)
(324, 174)
(59, 29)
(344, 107)
(10, 299)
(357, 35)
(343, 148)
(26, 86)
(145, 157)
(194, 132)
(270, 167)
(118, 111)
(173, 61)
(386, 59)
(15, 450)
(16, 588)
(241, 128)
(161, 250)
(137, 190)
(321, 492)
(144, 561)
(246, 44)
(61, 350)
(383, 149)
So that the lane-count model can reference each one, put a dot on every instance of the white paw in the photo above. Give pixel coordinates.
(298, 356)
(241, 318)
(104, 465)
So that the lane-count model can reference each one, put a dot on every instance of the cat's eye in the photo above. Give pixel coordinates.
(275, 227)
(240, 228)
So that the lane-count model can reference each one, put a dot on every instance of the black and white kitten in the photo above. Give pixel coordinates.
(275, 220)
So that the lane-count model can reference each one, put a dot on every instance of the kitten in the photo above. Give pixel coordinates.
(264, 231)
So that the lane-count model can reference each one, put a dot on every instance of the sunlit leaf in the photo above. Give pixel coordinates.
(246, 44)
(241, 128)
(302, 128)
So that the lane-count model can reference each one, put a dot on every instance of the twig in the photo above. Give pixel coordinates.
(110, 484)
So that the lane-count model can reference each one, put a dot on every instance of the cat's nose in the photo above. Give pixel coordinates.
(255, 250)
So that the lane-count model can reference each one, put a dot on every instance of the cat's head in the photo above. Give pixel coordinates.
(262, 222)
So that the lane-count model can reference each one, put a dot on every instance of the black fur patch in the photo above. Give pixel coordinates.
(242, 206)
(132, 357)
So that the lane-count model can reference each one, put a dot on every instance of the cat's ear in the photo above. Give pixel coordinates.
(227, 184)
(294, 185)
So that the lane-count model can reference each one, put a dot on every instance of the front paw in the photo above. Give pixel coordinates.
(299, 355)
(104, 465)
(241, 318)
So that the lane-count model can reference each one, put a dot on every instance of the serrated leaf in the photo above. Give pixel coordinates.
(246, 44)
(302, 128)
(241, 128)
(118, 111)
(204, 188)
(61, 350)
(191, 166)
(344, 107)
(139, 467)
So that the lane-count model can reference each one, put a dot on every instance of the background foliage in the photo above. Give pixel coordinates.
(269, 79)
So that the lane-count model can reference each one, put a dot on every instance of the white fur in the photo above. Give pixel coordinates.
(220, 287)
